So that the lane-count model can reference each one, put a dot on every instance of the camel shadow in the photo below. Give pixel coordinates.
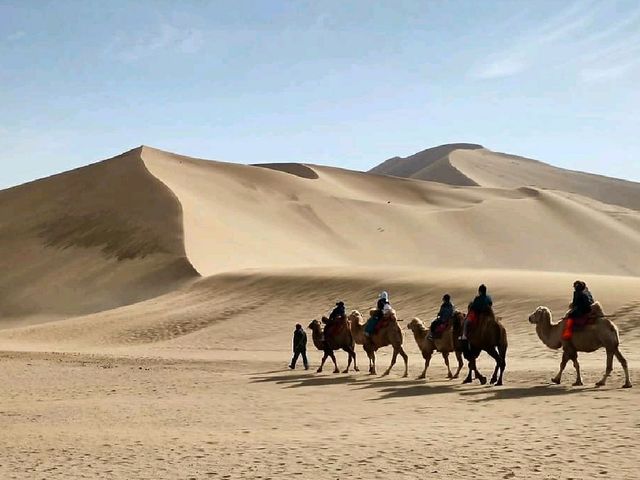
(417, 390)
(490, 393)
(305, 380)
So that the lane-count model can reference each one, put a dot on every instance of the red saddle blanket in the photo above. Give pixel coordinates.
(440, 328)
(382, 323)
(573, 324)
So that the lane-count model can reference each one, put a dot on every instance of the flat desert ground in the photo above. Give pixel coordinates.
(147, 305)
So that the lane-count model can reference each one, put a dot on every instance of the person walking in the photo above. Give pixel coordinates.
(299, 347)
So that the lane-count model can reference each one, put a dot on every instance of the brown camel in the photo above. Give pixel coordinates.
(488, 335)
(339, 339)
(427, 346)
(601, 333)
(389, 334)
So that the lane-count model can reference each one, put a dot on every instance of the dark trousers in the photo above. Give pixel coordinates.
(296, 354)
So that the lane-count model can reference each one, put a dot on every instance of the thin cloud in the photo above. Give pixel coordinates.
(608, 73)
(581, 35)
(16, 36)
(164, 38)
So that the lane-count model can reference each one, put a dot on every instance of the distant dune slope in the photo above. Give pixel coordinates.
(256, 310)
(88, 240)
(141, 224)
(239, 216)
(469, 164)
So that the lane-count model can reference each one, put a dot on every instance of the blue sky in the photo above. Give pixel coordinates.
(345, 83)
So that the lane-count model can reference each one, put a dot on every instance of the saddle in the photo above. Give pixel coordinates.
(440, 328)
(334, 327)
(382, 322)
(475, 319)
(574, 324)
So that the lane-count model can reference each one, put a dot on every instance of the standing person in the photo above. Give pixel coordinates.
(444, 315)
(299, 347)
(580, 309)
(482, 304)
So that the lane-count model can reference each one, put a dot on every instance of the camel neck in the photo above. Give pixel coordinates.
(546, 331)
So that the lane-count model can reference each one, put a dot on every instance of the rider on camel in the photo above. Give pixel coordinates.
(482, 304)
(444, 315)
(382, 308)
(580, 309)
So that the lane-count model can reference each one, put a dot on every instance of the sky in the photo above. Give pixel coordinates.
(343, 83)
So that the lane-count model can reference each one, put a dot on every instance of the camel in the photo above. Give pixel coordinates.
(391, 334)
(444, 345)
(341, 340)
(487, 335)
(602, 333)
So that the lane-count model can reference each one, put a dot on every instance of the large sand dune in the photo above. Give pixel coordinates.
(147, 304)
(90, 239)
(469, 164)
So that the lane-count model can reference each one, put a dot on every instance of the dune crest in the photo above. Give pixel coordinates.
(468, 164)
(90, 239)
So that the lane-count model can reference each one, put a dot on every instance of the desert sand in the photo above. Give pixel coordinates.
(147, 304)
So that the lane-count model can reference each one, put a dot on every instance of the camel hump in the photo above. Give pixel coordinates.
(596, 310)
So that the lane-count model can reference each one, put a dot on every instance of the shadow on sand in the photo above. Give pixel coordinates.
(390, 388)
(514, 393)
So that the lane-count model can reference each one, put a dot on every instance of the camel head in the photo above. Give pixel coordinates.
(540, 315)
(416, 325)
(354, 317)
(315, 326)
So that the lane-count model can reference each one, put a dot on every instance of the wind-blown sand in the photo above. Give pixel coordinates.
(148, 303)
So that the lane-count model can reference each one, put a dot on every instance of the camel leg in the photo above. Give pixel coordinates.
(355, 364)
(625, 367)
(473, 368)
(335, 363)
(352, 356)
(324, 359)
(493, 353)
(427, 359)
(445, 356)
(405, 357)
(469, 377)
(372, 362)
(394, 357)
(348, 362)
(502, 351)
(501, 364)
(576, 365)
(563, 364)
(608, 370)
(460, 364)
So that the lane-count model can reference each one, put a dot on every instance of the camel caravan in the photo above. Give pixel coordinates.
(584, 328)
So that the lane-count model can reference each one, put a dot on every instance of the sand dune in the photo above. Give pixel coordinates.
(139, 224)
(263, 217)
(147, 304)
(469, 164)
(91, 239)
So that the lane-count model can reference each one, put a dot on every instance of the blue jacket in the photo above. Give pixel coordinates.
(339, 311)
(446, 311)
(481, 303)
(581, 304)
